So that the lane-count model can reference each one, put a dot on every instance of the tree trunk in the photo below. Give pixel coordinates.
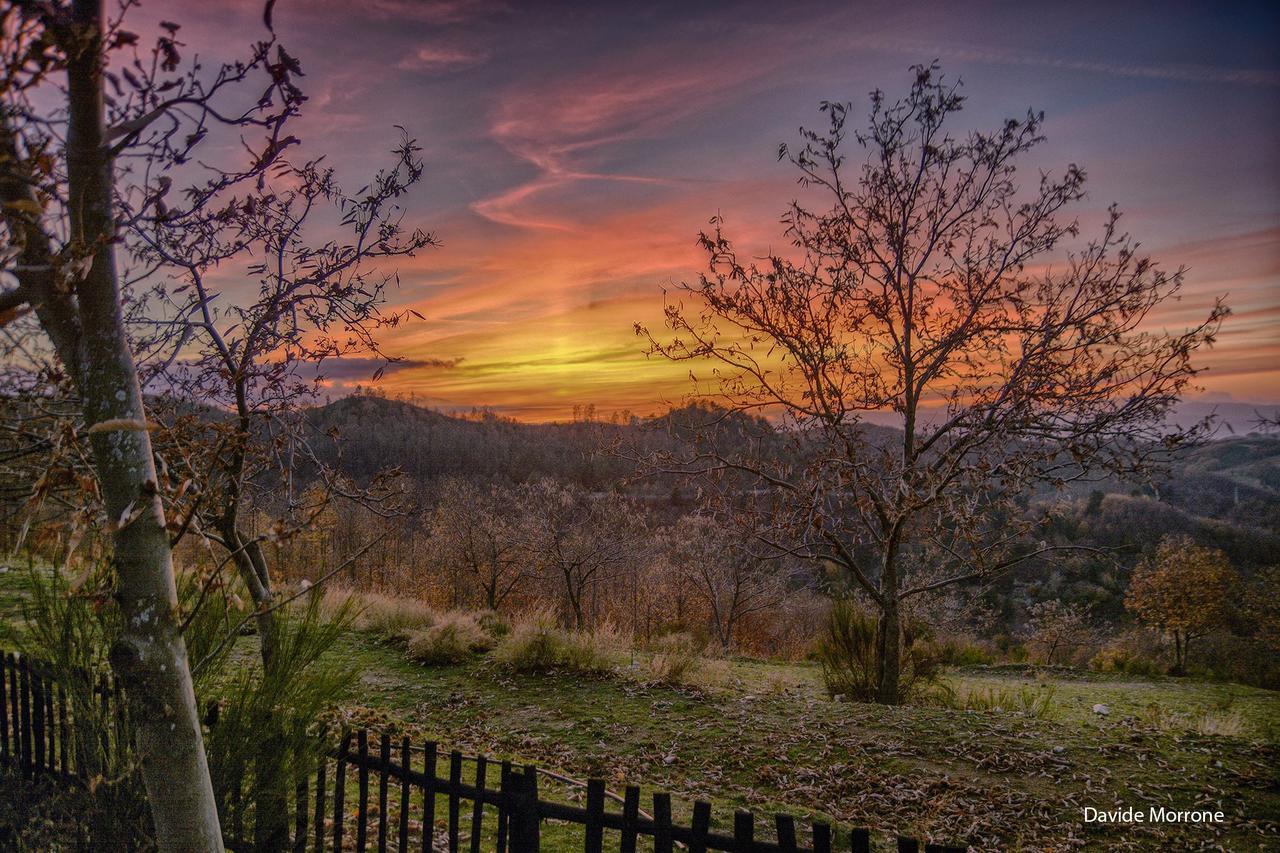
(251, 565)
(889, 652)
(150, 655)
(889, 635)
(1179, 654)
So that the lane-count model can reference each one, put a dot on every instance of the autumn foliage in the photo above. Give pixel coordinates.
(1182, 589)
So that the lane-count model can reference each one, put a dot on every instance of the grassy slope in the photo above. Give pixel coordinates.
(766, 739)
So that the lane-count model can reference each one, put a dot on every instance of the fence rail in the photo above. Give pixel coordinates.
(376, 792)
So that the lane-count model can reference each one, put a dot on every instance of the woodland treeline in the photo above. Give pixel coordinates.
(493, 514)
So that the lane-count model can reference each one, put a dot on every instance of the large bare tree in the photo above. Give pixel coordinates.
(89, 115)
(304, 298)
(930, 286)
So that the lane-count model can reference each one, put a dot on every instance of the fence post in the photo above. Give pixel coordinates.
(595, 816)
(4, 707)
(661, 823)
(455, 780)
(362, 811)
(524, 811)
(24, 697)
(860, 841)
(384, 771)
(429, 801)
(744, 831)
(630, 818)
(477, 812)
(407, 766)
(504, 807)
(340, 792)
(786, 833)
(821, 838)
(701, 826)
(320, 801)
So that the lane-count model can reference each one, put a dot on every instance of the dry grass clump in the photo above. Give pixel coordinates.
(453, 639)
(536, 643)
(390, 617)
(1037, 702)
(1221, 723)
(675, 658)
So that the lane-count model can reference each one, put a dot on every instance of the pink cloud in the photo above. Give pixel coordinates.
(433, 59)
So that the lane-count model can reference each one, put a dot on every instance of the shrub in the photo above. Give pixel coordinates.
(262, 734)
(964, 652)
(494, 624)
(847, 651)
(391, 618)
(452, 640)
(538, 644)
(675, 658)
(1124, 661)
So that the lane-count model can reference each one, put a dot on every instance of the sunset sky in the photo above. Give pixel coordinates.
(574, 151)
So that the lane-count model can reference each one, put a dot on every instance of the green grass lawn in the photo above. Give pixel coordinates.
(764, 736)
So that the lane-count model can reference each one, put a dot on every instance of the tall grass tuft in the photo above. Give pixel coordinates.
(676, 658)
(453, 639)
(536, 643)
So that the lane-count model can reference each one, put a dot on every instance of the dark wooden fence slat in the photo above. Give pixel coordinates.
(532, 831)
(362, 810)
(595, 816)
(50, 727)
(455, 779)
(4, 707)
(821, 838)
(701, 826)
(340, 793)
(37, 721)
(320, 801)
(786, 826)
(477, 812)
(24, 688)
(406, 763)
(744, 831)
(429, 800)
(504, 806)
(384, 773)
(64, 732)
(860, 841)
(15, 705)
(301, 809)
(661, 823)
(630, 816)
(908, 845)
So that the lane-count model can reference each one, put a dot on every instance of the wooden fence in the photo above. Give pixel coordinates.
(374, 792)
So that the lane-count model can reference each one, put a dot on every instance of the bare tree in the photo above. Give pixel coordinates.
(1057, 626)
(579, 541)
(932, 288)
(61, 196)
(729, 579)
(474, 534)
(262, 358)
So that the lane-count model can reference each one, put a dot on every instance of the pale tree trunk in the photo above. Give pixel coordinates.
(150, 656)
